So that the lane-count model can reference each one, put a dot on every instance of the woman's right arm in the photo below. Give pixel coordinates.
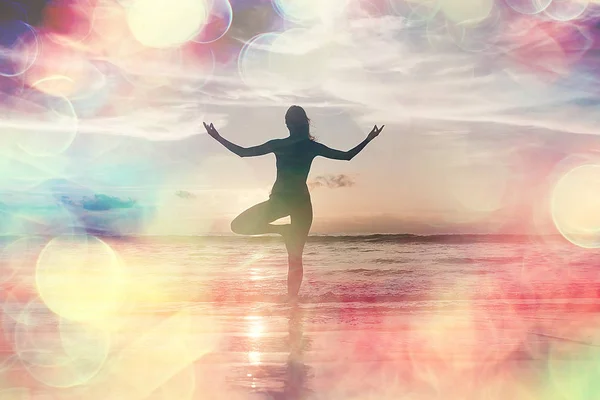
(333, 154)
(254, 151)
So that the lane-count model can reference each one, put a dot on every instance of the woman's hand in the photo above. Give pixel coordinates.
(375, 132)
(210, 129)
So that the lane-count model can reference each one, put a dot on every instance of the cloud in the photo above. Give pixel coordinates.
(184, 194)
(101, 202)
(388, 66)
(331, 181)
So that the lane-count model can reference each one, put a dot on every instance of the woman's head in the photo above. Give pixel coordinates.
(298, 122)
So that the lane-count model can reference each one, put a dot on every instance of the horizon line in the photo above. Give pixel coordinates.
(340, 234)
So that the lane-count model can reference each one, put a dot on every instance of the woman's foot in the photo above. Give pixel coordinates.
(292, 299)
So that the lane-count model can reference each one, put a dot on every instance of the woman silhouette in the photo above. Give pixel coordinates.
(290, 195)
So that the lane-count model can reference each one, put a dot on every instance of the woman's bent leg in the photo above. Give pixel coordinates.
(256, 220)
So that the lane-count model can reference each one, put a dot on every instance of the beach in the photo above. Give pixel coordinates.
(380, 317)
(453, 255)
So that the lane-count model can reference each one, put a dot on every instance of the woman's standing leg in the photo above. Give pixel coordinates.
(295, 239)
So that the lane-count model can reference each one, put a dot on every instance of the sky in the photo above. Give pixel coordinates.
(489, 107)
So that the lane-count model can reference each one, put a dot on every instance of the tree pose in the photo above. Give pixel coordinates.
(290, 194)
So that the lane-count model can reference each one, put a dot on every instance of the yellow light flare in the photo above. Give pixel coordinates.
(254, 357)
(311, 11)
(110, 30)
(181, 386)
(164, 23)
(80, 278)
(149, 287)
(59, 70)
(57, 352)
(55, 85)
(508, 386)
(256, 274)
(466, 11)
(575, 208)
(256, 328)
(16, 393)
(87, 80)
(158, 355)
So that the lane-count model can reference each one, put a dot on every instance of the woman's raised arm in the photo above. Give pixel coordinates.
(253, 151)
(348, 155)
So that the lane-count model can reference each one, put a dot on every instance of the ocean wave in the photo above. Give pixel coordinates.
(370, 272)
(392, 260)
(410, 238)
(411, 300)
(371, 238)
(480, 260)
(328, 297)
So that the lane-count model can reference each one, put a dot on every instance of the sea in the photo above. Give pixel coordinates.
(379, 317)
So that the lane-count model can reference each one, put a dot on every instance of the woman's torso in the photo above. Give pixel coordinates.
(294, 159)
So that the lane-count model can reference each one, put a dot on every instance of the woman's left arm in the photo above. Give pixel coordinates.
(334, 154)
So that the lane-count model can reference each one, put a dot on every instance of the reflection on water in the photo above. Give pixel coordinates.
(276, 362)
(296, 371)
